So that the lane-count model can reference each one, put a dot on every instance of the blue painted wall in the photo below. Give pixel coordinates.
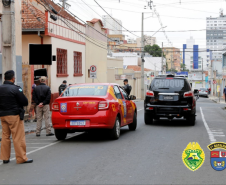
(195, 56)
(184, 47)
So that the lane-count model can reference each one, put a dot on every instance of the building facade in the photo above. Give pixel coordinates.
(131, 40)
(216, 35)
(173, 58)
(148, 41)
(96, 54)
(194, 57)
(67, 45)
(111, 24)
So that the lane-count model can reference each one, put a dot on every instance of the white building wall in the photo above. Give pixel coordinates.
(153, 63)
(148, 41)
(114, 27)
(202, 55)
(70, 47)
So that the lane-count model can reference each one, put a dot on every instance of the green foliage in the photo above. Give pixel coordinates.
(183, 66)
(154, 50)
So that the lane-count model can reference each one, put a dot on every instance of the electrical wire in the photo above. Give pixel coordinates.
(114, 19)
(119, 49)
(100, 43)
(167, 31)
(70, 27)
(92, 27)
(97, 13)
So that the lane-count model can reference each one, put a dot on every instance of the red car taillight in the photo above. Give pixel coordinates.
(188, 94)
(55, 106)
(150, 93)
(103, 105)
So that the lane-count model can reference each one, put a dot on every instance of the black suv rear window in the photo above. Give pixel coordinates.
(169, 84)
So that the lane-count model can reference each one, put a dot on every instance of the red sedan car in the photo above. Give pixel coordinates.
(83, 107)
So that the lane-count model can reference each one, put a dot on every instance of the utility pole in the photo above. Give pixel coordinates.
(64, 4)
(142, 57)
(171, 62)
(8, 38)
(162, 58)
(142, 52)
(202, 74)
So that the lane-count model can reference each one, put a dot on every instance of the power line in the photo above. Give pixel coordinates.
(94, 11)
(157, 14)
(114, 19)
(192, 2)
(92, 27)
(71, 28)
(167, 31)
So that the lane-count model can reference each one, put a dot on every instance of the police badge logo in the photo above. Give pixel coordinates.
(217, 156)
(193, 156)
(63, 107)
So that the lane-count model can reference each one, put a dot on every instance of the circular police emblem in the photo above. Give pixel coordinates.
(20, 90)
(63, 107)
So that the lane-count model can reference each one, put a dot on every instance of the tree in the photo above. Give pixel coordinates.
(183, 67)
(154, 50)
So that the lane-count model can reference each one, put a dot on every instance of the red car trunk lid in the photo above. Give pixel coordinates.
(79, 105)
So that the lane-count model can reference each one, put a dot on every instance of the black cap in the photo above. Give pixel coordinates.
(10, 72)
(125, 80)
(64, 81)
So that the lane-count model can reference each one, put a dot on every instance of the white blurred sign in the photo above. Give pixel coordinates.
(123, 77)
(196, 76)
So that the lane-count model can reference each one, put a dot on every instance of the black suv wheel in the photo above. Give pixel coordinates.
(148, 119)
(191, 120)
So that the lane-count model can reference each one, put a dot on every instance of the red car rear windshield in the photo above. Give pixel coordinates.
(86, 90)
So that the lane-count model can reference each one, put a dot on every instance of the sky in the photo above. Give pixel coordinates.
(176, 15)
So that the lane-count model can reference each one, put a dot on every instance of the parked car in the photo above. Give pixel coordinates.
(170, 97)
(95, 106)
(203, 92)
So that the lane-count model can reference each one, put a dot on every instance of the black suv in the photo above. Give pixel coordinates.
(170, 96)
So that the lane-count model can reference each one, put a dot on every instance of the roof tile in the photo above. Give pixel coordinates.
(33, 18)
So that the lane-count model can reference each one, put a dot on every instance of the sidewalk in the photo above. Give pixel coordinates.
(216, 99)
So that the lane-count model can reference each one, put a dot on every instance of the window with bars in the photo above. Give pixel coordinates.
(77, 63)
(61, 62)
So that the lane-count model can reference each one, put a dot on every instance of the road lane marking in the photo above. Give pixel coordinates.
(40, 139)
(26, 147)
(210, 133)
(37, 143)
(40, 148)
(140, 110)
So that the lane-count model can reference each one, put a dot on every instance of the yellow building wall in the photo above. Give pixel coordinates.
(96, 55)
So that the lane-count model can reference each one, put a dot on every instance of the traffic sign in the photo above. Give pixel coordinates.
(214, 82)
(93, 72)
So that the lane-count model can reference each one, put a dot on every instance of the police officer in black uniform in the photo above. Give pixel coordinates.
(12, 101)
(62, 87)
(127, 87)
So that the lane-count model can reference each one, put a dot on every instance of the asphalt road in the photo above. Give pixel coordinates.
(150, 155)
